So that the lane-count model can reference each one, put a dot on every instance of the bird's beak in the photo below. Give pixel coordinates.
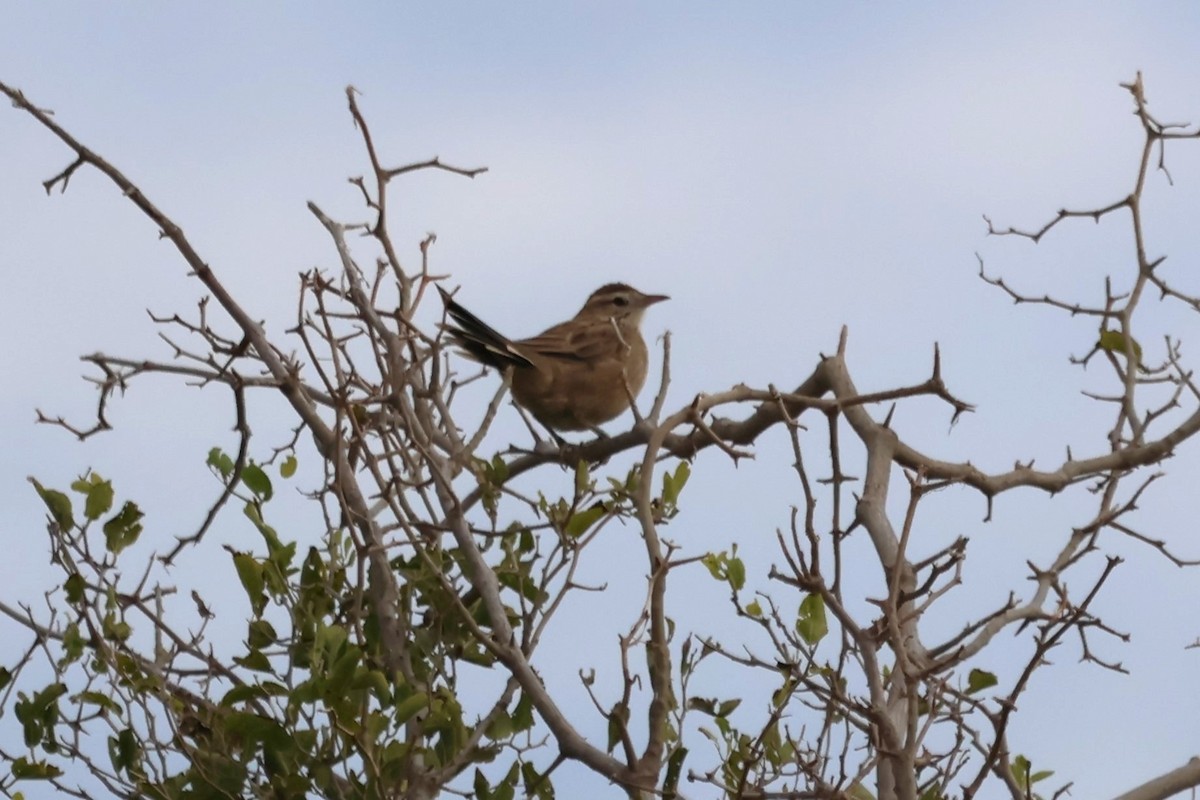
(651, 299)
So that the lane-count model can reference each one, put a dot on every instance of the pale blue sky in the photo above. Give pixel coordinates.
(780, 169)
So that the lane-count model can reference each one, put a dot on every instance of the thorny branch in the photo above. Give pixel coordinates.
(405, 483)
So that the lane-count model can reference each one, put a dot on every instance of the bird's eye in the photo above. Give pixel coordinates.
(620, 300)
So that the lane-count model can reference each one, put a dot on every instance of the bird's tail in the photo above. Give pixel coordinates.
(478, 340)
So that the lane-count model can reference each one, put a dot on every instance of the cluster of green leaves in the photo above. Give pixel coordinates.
(521, 776)
(748, 759)
(812, 622)
(39, 716)
(120, 531)
(340, 706)
(94, 623)
(727, 568)
(765, 752)
(307, 706)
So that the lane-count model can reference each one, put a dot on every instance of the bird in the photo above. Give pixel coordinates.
(577, 374)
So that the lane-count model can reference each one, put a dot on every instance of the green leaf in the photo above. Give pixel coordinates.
(223, 776)
(116, 629)
(776, 751)
(726, 567)
(343, 670)
(99, 494)
(507, 789)
(250, 573)
(256, 480)
(59, 505)
(1019, 767)
(408, 708)
(261, 634)
(737, 574)
(253, 691)
(253, 513)
(288, 468)
(498, 470)
(537, 787)
(978, 680)
(1114, 342)
(811, 623)
(331, 639)
(222, 463)
(727, 707)
(673, 483)
(482, 790)
(73, 645)
(125, 751)
(490, 474)
(99, 699)
(754, 609)
(73, 588)
(580, 521)
(374, 681)
(523, 714)
(784, 693)
(501, 727)
(618, 719)
(123, 529)
(255, 660)
(674, 769)
(24, 769)
(312, 572)
(39, 714)
(583, 478)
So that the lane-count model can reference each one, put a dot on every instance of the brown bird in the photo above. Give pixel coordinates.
(577, 374)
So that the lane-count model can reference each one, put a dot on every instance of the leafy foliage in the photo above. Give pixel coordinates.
(395, 652)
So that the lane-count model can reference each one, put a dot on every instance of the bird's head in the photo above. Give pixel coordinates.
(619, 301)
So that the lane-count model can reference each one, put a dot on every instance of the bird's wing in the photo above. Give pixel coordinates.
(572, 341)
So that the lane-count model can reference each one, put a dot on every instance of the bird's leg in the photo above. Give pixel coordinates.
(559, 441)
(541, 446)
